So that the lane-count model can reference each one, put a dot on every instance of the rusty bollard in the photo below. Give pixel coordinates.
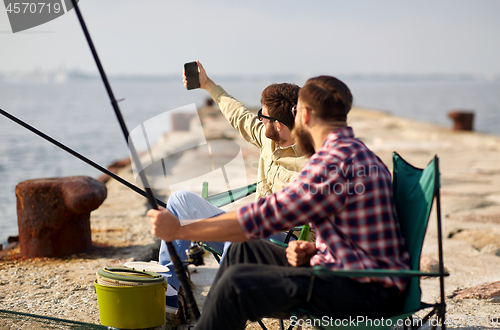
(53, 215)
(462, 120)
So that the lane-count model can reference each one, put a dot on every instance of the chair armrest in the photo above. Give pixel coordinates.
(320, 270)
(272, 240)
(210, 249)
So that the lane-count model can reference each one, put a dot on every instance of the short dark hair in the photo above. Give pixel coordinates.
(329, 98)
(279, 100)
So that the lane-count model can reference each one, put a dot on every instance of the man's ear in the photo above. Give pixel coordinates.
(306, 115)
(279, 127)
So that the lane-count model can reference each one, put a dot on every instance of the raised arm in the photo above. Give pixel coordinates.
(205, 82)
(247, 123)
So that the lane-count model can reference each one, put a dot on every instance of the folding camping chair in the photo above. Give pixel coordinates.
(414, 192)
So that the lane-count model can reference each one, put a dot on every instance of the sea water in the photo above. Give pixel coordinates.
(78, 114)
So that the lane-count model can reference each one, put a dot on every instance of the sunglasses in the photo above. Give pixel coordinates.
(261, 116)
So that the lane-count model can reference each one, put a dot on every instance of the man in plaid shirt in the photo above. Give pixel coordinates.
(344, 192)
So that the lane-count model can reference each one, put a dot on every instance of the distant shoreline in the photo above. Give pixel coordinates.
(67, 76)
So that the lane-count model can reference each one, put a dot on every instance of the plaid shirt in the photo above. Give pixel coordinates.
(344, 191)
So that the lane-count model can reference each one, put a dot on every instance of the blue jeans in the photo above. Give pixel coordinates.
(186, 205)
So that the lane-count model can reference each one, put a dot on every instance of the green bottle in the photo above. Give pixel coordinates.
(304, 233)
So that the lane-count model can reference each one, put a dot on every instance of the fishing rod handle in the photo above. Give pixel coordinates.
(179, 269)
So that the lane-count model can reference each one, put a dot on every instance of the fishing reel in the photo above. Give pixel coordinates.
(195, 254)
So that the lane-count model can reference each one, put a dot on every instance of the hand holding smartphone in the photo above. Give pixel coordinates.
(191, 72)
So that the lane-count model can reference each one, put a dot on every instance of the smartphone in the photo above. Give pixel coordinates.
(191, 71)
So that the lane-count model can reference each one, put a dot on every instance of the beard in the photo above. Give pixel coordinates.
(303, 140)
(273, 134)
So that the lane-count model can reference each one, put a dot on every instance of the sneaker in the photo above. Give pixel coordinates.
(171, 304)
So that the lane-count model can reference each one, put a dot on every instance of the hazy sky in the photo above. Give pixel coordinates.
(236, 37)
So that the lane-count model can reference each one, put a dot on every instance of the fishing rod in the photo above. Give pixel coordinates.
(178, 266)
(77, 155)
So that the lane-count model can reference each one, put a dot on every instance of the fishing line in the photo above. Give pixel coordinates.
(179, 268)
(78, 155)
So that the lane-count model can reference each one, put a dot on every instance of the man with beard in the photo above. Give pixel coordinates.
(354, 229)
(279, 163)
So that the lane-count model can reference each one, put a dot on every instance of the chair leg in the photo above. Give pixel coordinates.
(216, 256)
(405, 326)
(262, 325)
(282, 325)
(299, 327)
(440, 316)
(440, 312)
(434, 326)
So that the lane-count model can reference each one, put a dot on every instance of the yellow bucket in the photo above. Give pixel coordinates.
(131, 307)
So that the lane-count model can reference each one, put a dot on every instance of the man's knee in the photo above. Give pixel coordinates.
(179, 198)
(227, 284)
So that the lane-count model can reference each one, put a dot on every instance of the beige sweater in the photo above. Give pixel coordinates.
(277, 166)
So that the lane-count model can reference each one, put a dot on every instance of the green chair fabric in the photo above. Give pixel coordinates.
(414, 191)
(223, 199)
(228, 197)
